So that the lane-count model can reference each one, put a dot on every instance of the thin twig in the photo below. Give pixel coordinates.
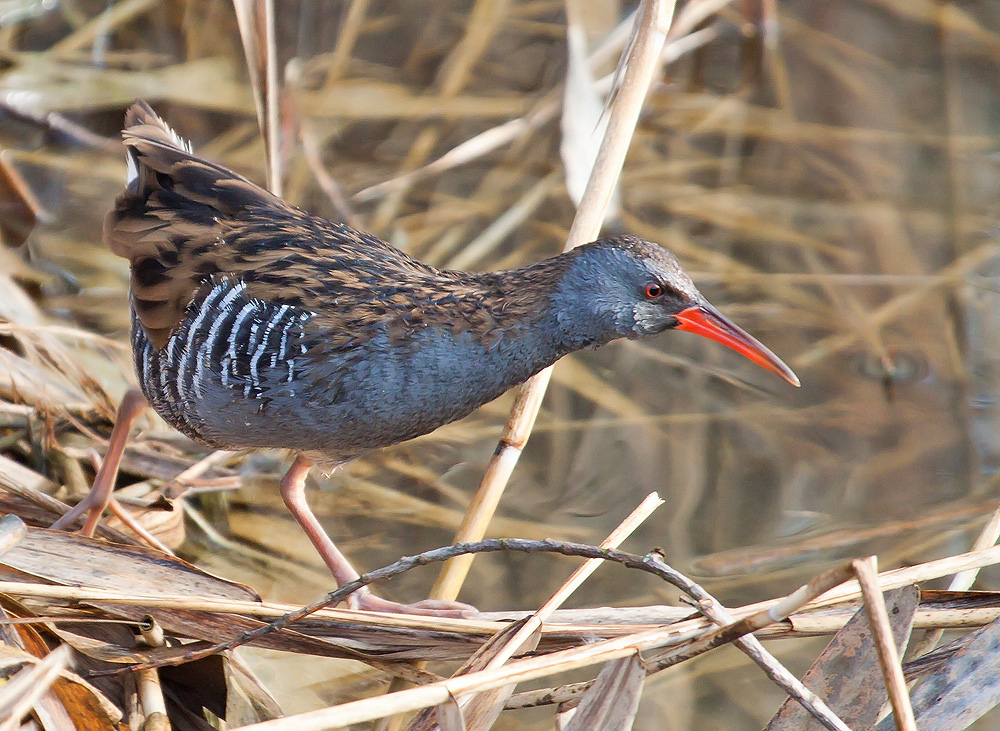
(404, 564)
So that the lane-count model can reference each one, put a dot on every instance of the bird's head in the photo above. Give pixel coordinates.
(626, 286)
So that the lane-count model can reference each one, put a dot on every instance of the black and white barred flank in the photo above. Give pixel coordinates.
(248, 345)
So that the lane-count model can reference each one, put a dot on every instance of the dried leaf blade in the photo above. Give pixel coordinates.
(846, 674)
(613, 699)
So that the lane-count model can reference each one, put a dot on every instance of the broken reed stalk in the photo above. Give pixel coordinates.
(626, 528)
(643, 60)
(517, 671)
(885, 643)
(151, 700)
(896, 578)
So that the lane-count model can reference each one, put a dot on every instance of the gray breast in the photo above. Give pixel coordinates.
(388, 391)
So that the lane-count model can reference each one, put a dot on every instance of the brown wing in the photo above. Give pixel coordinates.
(184, 222)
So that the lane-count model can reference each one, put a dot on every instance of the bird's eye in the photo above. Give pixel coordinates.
(653, 290)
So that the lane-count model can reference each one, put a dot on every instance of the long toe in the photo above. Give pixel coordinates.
(425, 608)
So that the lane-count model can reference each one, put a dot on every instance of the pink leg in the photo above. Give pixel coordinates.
(293, 486)
(293, 492)
(100, 494)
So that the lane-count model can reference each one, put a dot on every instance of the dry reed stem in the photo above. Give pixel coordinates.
(651, 27)
(133, 525)
(154, 708)
(896, 578)
(275, 175)
(491, 139)
(541, 114)
(255, 20)
(848, 593)
(512, 218)
(892, 309)
(885, 644)
(151, 701)
(831, 144)
(313, 155)
(394, 569)
(595, 621)
(105, 23)
(347, 36)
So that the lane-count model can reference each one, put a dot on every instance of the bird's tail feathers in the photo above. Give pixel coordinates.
(148, 139)
(167, 180)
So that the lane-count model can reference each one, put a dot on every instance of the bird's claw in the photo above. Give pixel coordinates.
(426, 608)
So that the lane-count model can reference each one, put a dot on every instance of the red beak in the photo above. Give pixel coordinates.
(708, 322)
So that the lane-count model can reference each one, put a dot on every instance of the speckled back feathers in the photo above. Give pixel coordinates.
(185, 223)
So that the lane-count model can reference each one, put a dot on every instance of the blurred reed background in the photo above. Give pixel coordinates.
(827, 171)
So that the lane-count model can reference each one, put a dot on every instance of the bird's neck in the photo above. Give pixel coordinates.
(556, 308)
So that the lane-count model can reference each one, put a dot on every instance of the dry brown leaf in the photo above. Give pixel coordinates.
(71, 559)
(449, 716)
(964, 688)
(247, 700)
(83, 704)
(613, 699)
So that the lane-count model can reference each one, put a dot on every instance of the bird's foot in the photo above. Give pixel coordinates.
(364, 599)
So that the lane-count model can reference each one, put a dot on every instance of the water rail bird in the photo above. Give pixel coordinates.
(256, 324)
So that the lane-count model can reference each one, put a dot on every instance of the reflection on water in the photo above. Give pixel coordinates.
(835, 197)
